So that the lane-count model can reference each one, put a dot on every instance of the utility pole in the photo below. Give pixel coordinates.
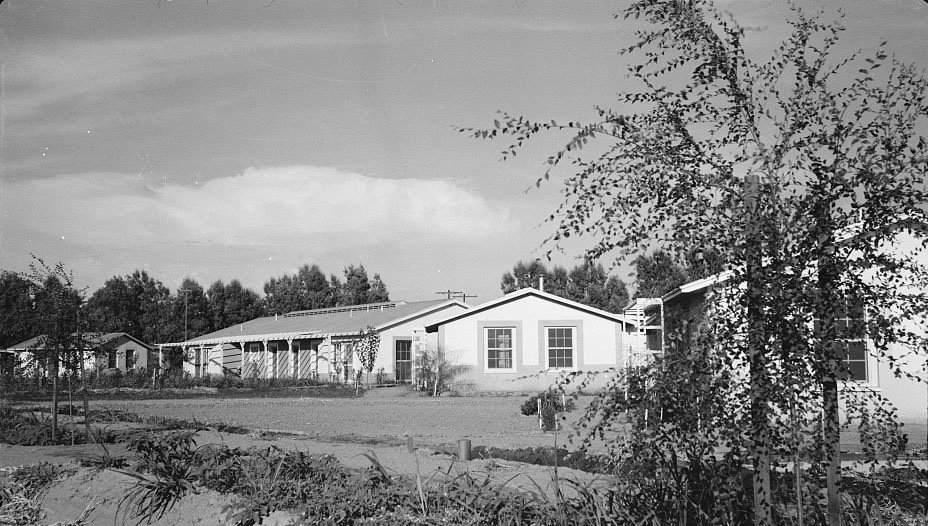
(449, 293)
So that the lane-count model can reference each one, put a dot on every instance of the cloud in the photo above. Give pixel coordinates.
(299, 205)
(68, 69)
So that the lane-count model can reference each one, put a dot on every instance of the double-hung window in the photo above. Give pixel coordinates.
(499, 347)
(130, 359)
(561, 342)
(851, 339)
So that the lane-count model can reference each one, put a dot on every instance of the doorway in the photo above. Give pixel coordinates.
(402, 364)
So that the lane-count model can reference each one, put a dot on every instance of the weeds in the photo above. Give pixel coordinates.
(21, 490)
(35, 429)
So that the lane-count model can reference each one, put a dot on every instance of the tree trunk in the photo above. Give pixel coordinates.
(757, 357)
(55, 355)
(84, 395)
(827, 333)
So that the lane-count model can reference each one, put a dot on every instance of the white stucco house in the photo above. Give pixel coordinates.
(523, 340)
(690, 305)
(103, 352)
(316, 344)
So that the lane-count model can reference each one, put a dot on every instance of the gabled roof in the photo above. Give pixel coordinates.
(93, 340)
(524, 293)
(335, 321)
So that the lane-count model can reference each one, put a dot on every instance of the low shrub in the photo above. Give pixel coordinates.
(548, 399)
(549, 456)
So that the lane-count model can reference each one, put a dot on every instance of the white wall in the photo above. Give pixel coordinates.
(599, 342)
(408, 330)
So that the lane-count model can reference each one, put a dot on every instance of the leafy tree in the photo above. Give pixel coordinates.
(772, 163)
(616, 295)
(586, 283)
(115, 308)
(16, 310)
(523, 275)
(356, 288)
(57, 319)
(155, 320)
(318, 293)
(232, 304)
(308, 289)
(378, 292)
(658, 274)
(282, 295)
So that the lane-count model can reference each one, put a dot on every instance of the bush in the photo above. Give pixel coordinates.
(548, 399)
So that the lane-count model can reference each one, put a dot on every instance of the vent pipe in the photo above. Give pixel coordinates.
(541, 283)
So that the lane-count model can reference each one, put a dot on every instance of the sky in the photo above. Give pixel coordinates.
(241, 140)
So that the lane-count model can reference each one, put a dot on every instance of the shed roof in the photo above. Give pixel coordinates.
(336, 321)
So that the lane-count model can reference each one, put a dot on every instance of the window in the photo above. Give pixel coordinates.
(850, 319)
(560, 341)
(111, 358)
(499, 348)
(130, 358)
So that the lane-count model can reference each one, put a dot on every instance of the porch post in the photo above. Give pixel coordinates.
(244, 371)
(294, 366)
(204, 361)
(267, 359)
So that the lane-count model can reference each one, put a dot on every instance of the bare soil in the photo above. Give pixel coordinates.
(351, 429)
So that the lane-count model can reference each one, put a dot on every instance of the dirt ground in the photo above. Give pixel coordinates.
(348, 428)
(375, 424)
(385, 415)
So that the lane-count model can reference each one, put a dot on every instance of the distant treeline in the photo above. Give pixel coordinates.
(144, 307)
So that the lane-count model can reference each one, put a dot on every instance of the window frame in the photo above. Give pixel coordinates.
(513, 344)
(573, 347)
(130, 353)
(845, 321)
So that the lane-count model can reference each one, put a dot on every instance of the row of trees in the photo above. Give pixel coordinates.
(144, 307)
(585, 283)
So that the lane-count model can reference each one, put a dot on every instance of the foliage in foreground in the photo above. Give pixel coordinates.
(35, 429)
(320, 490)
(21, 490)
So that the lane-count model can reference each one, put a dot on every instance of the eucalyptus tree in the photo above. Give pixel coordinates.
(772, 163)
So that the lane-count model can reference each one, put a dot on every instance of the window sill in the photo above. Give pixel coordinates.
(498, 371)
(858, 387)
